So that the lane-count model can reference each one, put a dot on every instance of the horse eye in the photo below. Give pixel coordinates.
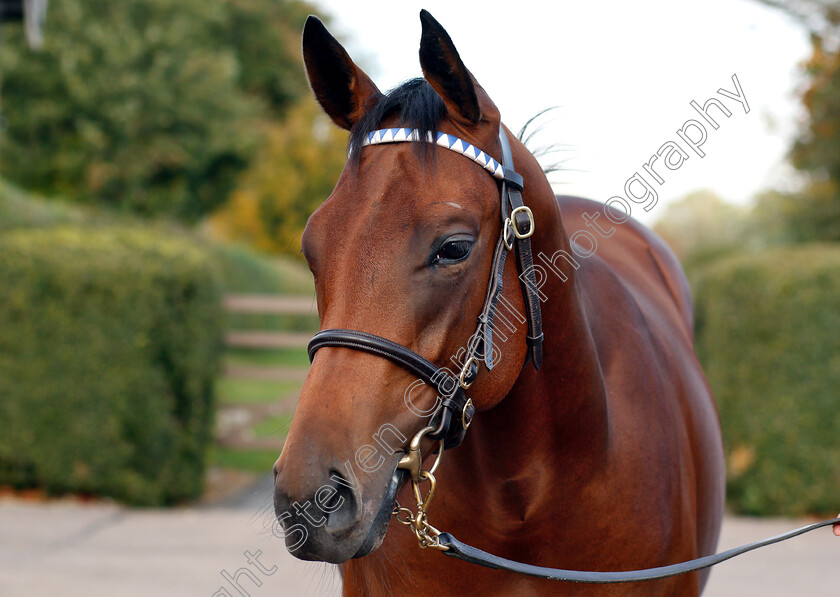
(452, 251)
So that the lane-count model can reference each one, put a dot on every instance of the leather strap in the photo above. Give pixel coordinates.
(512, 196)
(465, 552)
(378, 345)
(453, 410)
(487, 318)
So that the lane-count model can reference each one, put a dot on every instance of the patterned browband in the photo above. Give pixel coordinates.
(443, 140)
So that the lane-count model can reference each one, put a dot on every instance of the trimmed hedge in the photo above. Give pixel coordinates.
(110, 341)
(20, 209)
(244, 271)
(768, 335)
(241, 269)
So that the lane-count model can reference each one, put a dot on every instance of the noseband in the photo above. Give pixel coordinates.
(453, 415)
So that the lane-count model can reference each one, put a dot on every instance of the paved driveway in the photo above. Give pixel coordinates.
(77, 550)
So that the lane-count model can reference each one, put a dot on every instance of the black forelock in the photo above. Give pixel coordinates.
(416, 106)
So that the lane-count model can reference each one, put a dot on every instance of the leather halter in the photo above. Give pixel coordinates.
(453, 415)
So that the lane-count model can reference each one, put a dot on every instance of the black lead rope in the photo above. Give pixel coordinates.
(465, 552)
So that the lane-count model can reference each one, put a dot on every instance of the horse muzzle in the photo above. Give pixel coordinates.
(335, 522)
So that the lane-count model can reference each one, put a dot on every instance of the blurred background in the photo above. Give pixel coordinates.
(158, 162)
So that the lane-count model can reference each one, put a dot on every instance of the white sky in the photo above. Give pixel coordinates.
(623, 74)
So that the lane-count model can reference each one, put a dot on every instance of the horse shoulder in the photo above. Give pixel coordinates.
(637, 256)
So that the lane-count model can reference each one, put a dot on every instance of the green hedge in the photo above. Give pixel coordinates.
(20, 209)
(241, 269)
(768, 335)
(110, 342)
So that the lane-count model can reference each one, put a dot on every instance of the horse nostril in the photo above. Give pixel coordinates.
(342, 507)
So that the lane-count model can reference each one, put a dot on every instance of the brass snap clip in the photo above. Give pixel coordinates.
(427, 535)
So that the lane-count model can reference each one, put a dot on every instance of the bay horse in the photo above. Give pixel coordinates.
(606, 455)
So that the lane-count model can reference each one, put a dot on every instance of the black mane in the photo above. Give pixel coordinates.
(417, 106)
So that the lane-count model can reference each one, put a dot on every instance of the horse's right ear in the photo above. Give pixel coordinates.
(344, 91)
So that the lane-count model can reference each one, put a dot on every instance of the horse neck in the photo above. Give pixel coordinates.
(561, 410)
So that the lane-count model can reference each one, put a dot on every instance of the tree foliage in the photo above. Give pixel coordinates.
(150, 106)
(820, 18)
(813, 214)
(817, 149)
(265, 35)
(296, 170)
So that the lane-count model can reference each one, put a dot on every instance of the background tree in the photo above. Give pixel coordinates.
(294, 173)
(813, 214)
(819, 17)
(265, 36)
(149, 106)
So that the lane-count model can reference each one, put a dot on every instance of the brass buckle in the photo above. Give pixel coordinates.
(465, 371)
(507, 233)
(526, 210)
(466, 423)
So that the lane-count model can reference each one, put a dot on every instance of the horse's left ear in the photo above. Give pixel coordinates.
(446, 73)
(443, 68)
(344, 91)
